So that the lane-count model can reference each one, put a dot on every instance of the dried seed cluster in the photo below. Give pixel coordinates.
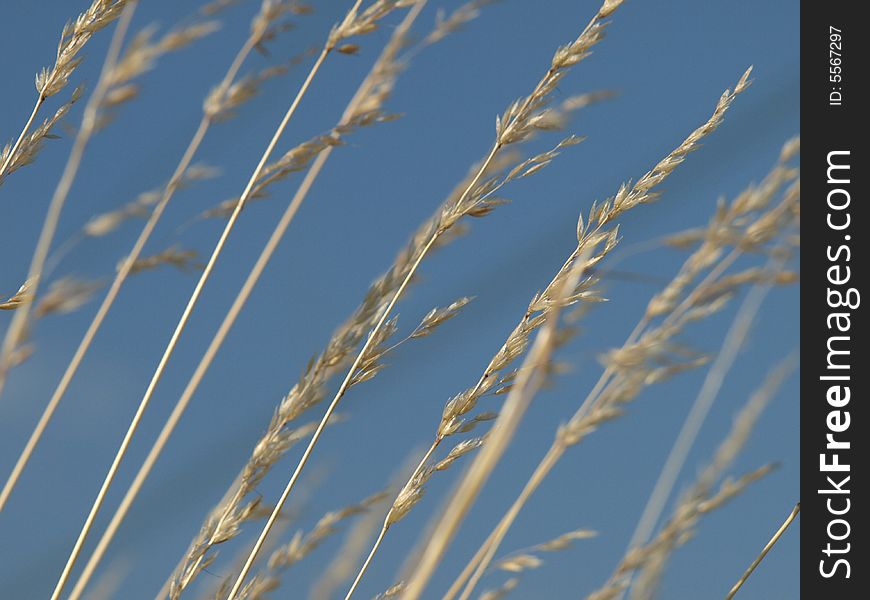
(761, 221)
(31, 144)
(51, 80)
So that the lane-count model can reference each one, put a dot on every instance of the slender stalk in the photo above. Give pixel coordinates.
(788, 521)
(372, 335)
(19, 323)
(206, 360)
(368, 561)
(487, 550)
(477, 566)
(489, 547)
(120, 278)
(482, 558)
(97, 321)
(219, 337)
(40, 100)
(388, 520)
(121, 512)
(529, 380)
(582, 41)
(320, 427)
(436, 442)
(134, 423)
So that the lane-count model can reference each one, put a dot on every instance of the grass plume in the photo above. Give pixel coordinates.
(687, 300)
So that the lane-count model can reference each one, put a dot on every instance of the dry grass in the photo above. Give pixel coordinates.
(518, 123)
(767, 547)
(194, 297)
(749, 242)
(591, 232)
(52, 80)
(119, 72)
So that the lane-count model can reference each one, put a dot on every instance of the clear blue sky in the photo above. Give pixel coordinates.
(669, 61)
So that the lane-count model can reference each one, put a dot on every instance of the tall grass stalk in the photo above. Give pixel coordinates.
(20, 321)
(40, 99)
(625, 199)
(224, 520)
(626, 373)
(747, 246)
(767, 547)
(289, 487)
(171, 423)
(126, 265)
(134, 423)
(518, 123)
(531, 376)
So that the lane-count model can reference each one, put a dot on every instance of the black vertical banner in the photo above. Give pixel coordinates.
(834, 103)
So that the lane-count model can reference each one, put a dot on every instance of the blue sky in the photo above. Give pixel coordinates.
(669, 61)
